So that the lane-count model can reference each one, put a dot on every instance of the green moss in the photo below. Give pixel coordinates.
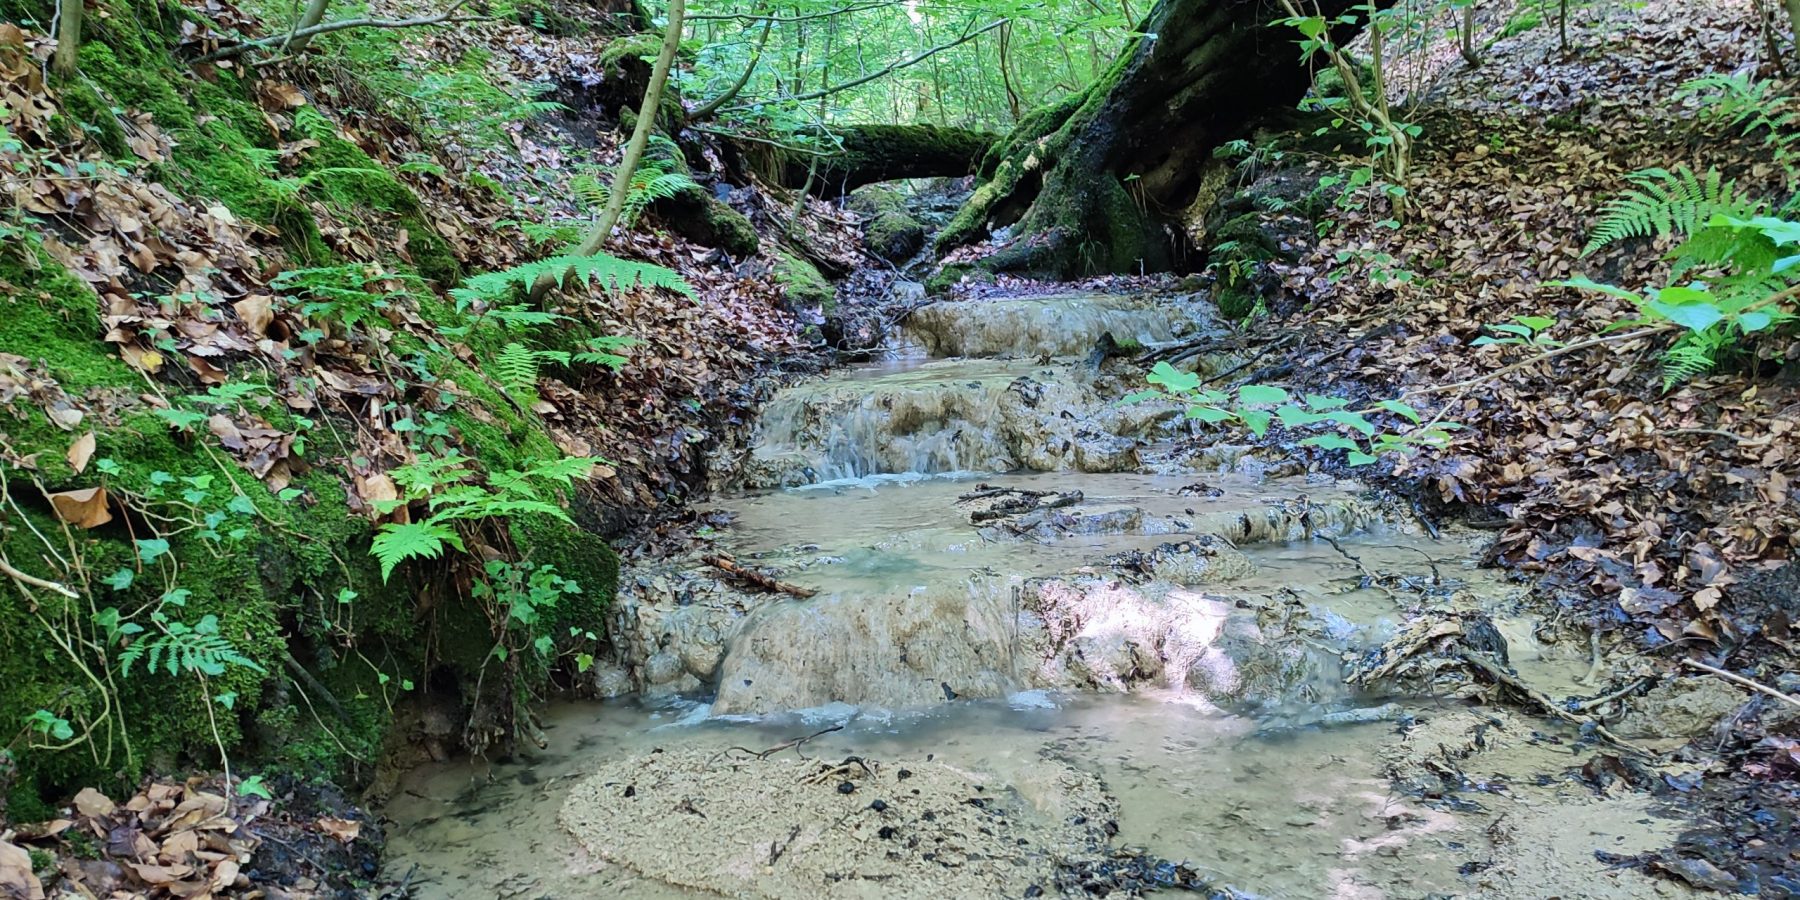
(578, 556)
(802, 284)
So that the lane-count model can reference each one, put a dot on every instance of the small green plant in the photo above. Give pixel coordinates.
(1752, 107)
(527, 595)
(655, 179)
(348, 296)
(1748, 267)
(1523, 331)
(1259, 407)
(448, 487)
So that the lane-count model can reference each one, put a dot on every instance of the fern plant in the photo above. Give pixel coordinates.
(197, 649)
(1752, 106)
(1665, 202)
(655, 179)
(494, 291)
(349, 296)
(446, 484)
(1750, 277)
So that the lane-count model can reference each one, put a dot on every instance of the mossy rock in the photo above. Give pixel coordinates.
(802, 285)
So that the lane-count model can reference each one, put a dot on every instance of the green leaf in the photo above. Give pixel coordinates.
(1173, 379)
(227, 699)
(1330, 442)
(1694, 315)
(1359, 458)
(149, 549)
(1586, 284)
(254, 787)
(1211, 415)
(1353, 420)
(1754, 321)
(397, 543)
(1139, 396)
(1262, 395)
(1294, 417)
(119, 580)
(1323, 403)
(1401, 409)
(1535, 323)
(1256, 420)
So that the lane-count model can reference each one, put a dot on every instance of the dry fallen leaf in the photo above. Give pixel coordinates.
(92, 803)
(342, 829)
(80, 452)
(16, 878)
(85, 508)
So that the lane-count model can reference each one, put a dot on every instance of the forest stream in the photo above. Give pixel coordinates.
(1130, 681)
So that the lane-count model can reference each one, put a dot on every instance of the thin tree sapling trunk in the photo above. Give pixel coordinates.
(634, 150)
(315, 13)
(68, 36)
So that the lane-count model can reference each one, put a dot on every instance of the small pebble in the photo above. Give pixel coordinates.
(878, 806)
(1034, 891)
(905, 774)
(845, 787)
(886, 833)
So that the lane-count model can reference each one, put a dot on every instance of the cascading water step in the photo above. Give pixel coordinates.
(1039, 327)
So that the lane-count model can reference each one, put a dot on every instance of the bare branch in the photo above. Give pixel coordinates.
(712, 106)
(752, 17)
(447, 17)
(912, 61)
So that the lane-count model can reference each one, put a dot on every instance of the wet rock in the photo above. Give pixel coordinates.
(611, 680)
(1105, 453)
(1207, 559)
(1039, 326)
(1680, 708)
(663, 668)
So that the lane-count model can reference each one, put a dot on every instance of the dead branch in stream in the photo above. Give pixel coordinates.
(733, 568)
(1742, 681)
(1543, 701)
(789, 744)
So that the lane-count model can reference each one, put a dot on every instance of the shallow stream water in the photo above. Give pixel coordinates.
(1206, 707)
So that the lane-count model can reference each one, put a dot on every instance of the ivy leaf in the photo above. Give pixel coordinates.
(227, 699)
(1324, 404)
(1359, 458)
(119, 580)
(1256, 420)
(149, 549)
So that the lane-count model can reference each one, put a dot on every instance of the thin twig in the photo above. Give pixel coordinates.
(6, 568)
(895, 67)
(1741, 680)
(446, 17)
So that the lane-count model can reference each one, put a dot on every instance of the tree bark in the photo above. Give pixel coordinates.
(872, 153)
(1095, 184)
(314, 14)
(68, 36)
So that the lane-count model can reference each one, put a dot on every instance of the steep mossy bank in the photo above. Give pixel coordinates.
(293, 650)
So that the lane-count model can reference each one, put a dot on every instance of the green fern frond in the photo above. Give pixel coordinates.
(1685, 361)
(614, 275)
(395, 544)
(1669, 202)
(517, 367)
(198, 649)
(311, 123)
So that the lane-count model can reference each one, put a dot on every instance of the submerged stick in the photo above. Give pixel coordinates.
(1741, 680)
(743, 573)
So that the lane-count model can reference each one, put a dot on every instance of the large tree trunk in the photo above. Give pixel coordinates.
(872, 153)
(1095, 184)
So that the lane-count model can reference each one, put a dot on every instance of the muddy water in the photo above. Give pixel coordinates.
(1147, 664)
